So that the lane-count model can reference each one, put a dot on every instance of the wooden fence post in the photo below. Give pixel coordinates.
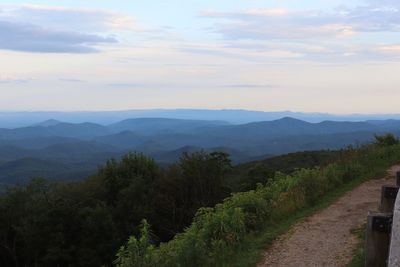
(398, 178)
(377, 248)
(388, 198)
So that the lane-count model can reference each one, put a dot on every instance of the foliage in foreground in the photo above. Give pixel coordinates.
(359, 253)
(215, 236)
(84, 223)
(388, 139)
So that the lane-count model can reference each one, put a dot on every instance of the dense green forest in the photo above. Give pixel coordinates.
(85, 223)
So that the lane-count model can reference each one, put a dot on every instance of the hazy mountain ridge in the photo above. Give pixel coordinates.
(151, 126)
(235, 116)
(85, 146)
(80, 130)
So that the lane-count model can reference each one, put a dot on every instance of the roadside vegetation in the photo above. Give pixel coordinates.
(359, 253)
(223, 235)
(200, 211)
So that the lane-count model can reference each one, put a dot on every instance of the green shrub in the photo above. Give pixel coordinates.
(334, 175)
(253, 205)
(388, 139)
(137, 252)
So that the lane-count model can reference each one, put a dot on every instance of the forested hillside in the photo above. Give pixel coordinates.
(234, 232)
(85, 223)
(74, 151)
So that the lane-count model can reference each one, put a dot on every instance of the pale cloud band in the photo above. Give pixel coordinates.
(280, 23)
(363, 32)
(6, 79)
(268, 32)
(31, 38)
(47, 29)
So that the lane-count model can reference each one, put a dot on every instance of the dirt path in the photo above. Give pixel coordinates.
(325, 238)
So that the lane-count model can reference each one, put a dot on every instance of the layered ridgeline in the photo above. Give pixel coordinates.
(235, 116)
(68, 151)
(197, 212)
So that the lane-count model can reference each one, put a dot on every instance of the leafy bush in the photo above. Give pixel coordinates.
(386, 140)
(84, 223)
(138, 252)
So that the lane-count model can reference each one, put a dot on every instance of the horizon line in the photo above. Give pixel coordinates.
(206, 109)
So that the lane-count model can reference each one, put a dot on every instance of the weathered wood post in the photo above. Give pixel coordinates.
(388, 198)
(398, 178)
(378, 229)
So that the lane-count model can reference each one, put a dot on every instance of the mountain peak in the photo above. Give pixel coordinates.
(287, 118)
(291, 120)
(47, 123)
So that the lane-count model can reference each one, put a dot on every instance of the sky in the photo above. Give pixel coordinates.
(311, 56)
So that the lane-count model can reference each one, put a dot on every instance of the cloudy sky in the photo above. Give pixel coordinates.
(310, 55)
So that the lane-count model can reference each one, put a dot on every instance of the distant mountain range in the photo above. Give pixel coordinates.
(234, 116)
(61, 150)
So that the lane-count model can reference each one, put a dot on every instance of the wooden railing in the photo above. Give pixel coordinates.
(383, 230)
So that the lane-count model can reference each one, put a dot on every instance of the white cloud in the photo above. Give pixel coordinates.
(5, 79)
(271, 12)
(57, 29)
(32, 38)
(265, 12)
(241, 53)
(79, 30)
(391, 49)
(63, 18)
(281, 23)
(344, 33)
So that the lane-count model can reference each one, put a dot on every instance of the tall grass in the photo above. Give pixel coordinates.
(216, 236)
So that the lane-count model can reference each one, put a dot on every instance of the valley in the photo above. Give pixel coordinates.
(73, 151)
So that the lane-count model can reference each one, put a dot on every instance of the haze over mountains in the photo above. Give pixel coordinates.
(234, 116)
(67, 151)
